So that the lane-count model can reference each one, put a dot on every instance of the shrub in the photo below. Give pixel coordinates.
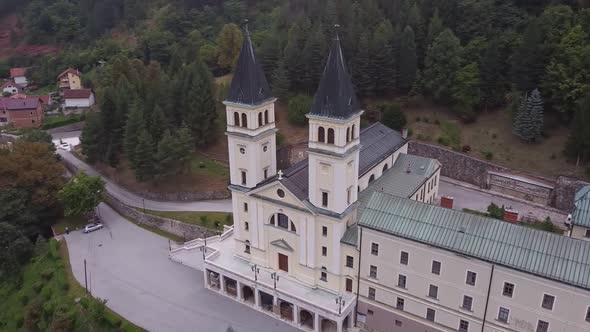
(392, 115)
(489, 155)
(53, 249)
(553, 156)
(444, 140)
(32, 315)
(494, 136)
(280, 139)
(19, 319)
(426, 120)
(410, 132)
(113, 321)
(298, 107)
(452, 132)
(466, 148)
(495, 211)
(23, 299)
(46, 292)
(47, 274)
(37, 286)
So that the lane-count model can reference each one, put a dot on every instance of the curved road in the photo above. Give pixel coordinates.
(135, 200)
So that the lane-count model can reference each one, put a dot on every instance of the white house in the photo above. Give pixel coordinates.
(9, 87)
(19, 76)
(78, 98)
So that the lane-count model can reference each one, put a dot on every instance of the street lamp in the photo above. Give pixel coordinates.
(275, 277)
(256, 270)
(204, 248)
(340, 302)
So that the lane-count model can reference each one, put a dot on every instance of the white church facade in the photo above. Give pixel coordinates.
(349, 236)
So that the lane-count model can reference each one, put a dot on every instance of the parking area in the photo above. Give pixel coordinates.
(129, 266)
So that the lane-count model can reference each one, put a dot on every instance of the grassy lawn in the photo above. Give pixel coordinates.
(205, 219)
(45, 298)
(200, 165)
(491, 138)
(50, 122)
(72, 223)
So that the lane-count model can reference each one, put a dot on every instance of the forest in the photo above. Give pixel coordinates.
(470, 56)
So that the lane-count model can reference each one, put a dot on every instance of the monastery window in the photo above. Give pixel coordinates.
(430, 314)
(349, 195)
(281, 193)
(433, 291)
(404, 258)
(244, 178)
(503, 314)
(246, 226)
(471, 277)
(401, 281)
(508, 289)
(373, 272)
(385, 167)
(247, 247)
(245, 207)
(400, 303)
(548, 301)
(588, 314)
(266, 117)
(265, 173)
(372, 178)
(350, 263)
(236, 119)
(587, 233)
(375, 249)
(293, 229)
(244, 120)
(324, 231)
(260, 123)
(324, 199)
(348, 285)
(347, 135)
(324, 251)
(321, 135)
(463, 326)
(467, 302)
(283, 221)
(436, 267)
(330, 136)
(542, 326)
(352, 133)
(371, 294)
(324, 274)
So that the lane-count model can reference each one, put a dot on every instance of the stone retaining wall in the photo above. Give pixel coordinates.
(565, 191)
(186, 231)
(67, 128)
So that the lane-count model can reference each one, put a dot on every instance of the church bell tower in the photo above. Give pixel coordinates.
(250, 118)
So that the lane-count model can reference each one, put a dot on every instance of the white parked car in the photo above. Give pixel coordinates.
(92, 227)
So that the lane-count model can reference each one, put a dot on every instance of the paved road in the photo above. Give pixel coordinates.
(129, 266)
(137, 201)
(466, 197)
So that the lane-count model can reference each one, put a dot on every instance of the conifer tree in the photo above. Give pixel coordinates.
(144, 156)
(442, 63)
(313, 58)
(199, 112)
(416, 22)
(408, 63)
(578, 144)
(529, 59)
(280, 80)
(492, 81)
(185, 148)
(165, 159)
(435, 27)
(133, 128)
(383, 59)
(92, 138)
(293, 52)
(158, 124)
(361, 67)
(528, 122)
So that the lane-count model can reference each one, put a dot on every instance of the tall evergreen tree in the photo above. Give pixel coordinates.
(528, 122)
(199, 111)
(158, 123)
(529, 59)
(144, 156)
(383, 59)
(293, 52)
(435, 27)
(408, 62)
(280, 80)
(361, 67)
(578, 144)
(229, 43)
(185, 148)
(270, 54)
(134, 127)
(465, 89)
(313, 58)
(416, 22)
(442, 63)
(492, 81)
(92, 138)
(166, 163)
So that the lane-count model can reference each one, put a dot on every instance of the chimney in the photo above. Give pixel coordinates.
(511, 216)
(404, 133)
(447, 202)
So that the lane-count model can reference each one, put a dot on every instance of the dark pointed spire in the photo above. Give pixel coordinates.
(335, 97)
(249, 85)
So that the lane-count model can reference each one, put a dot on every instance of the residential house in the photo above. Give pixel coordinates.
(70, 79)
(21, 113)
(9, 87)
(78, 98)
(19, 76)
(44, 99)
(580, 221)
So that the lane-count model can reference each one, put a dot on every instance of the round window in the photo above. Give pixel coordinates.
(242, 150)
(281, 193)
(264, 148)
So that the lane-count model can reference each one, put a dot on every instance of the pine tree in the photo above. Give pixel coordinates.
(492, 81)
(528, 122)
(185, 148)
(199, 111)
(383, 59)
(280, 80)
(361, 67)
(408, 64)
(535, 104)
(578, 144)
(293, 52)
(529, 59)
(270, 54)
(416, 22)
(144, 156)
(435, 27)
(166, 163)
(442, 63)
(133, 128)
(229, 43)
(158, 123)
(313, 58)
(91, 138)
(111, 127)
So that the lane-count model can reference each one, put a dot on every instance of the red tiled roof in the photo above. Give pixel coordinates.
(16, 72)
(43, 98)
(77, 93)
(14, 104)
(9, 82)
(69, 70)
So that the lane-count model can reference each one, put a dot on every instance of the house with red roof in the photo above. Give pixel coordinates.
(43, 99)
(78, 98)
(70, 79)
(21, 113)
(19, 76)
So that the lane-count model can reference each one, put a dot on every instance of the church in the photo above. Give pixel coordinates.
(352, 236)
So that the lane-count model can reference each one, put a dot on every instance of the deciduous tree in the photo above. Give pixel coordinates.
(82, 194)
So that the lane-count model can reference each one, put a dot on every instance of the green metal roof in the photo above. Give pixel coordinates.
(350, 236)
(405, 177)
(581, 214)
(544, 254)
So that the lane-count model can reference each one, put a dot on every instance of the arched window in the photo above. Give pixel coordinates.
(272, 220)
(347, 135)
(385, 167)
(323, 274)
(260, 123)
(283, 221)
(244, 120)
(247, 247)
(321, 135)
(330, 136)
(352, 133)
(266, 117)
(293, 229)
(236, 119)
(372, 178)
